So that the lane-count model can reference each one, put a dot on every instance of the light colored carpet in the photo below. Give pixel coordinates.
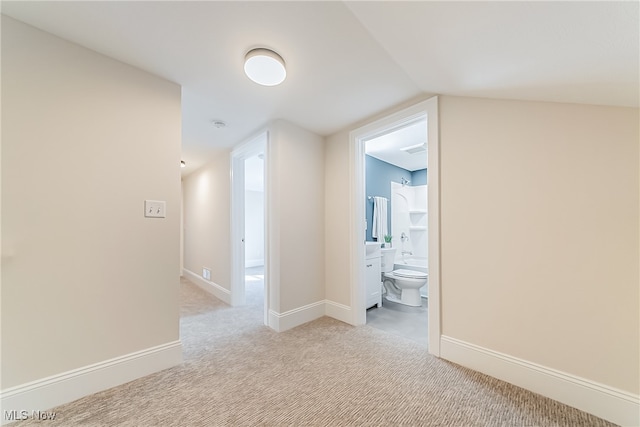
(237, 372)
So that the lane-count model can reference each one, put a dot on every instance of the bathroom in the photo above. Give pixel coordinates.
(396, 208)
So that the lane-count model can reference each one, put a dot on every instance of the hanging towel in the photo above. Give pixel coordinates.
(379, 218)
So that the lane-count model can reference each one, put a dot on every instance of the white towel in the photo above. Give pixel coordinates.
(379, 218)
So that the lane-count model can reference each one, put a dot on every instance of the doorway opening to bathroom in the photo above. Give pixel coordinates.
(248, 218)
(396, 208)
(414, 234)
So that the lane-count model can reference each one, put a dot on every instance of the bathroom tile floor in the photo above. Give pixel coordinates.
(400, 319)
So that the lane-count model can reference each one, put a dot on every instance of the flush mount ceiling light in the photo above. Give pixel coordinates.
(264, 67)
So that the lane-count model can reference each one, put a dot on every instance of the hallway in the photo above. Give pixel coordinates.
(237, 371)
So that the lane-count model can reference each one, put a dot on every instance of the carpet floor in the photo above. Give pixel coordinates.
(238, 372)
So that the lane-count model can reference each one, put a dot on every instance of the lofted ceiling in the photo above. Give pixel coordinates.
(349, 60)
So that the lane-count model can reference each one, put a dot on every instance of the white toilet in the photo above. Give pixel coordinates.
(402, 286)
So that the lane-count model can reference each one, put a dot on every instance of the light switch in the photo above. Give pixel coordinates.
(155, 208)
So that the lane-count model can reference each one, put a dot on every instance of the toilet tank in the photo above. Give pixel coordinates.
(388, 256)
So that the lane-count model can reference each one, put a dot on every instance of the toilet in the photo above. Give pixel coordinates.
(402, 286)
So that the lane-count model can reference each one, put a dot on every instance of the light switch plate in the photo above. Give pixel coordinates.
(155, 208)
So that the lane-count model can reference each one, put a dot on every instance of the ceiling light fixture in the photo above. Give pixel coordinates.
(264, 67)
(183, 164)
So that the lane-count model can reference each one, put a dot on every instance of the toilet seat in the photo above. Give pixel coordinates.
(410, 274)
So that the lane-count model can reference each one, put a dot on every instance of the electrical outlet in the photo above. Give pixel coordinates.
(206, 273)
(155, 208)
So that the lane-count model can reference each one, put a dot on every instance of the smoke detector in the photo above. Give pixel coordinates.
(219, 124)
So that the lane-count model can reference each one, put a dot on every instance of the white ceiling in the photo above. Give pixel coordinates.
(348, 61)
(388, 147)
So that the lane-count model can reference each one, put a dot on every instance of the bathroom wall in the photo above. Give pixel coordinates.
(419, 177)
(379, 175)
(207, 220)
(85, 277)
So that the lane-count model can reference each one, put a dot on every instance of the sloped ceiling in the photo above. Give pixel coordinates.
(348, 61)
(577, 52)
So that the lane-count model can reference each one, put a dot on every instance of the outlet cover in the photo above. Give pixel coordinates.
(206, 273)
(155, 208)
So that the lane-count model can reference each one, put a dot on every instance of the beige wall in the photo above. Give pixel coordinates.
(207, 220)
(85, 140)
(338, 219)
(539, 211)
(296, 200)
(294, 197)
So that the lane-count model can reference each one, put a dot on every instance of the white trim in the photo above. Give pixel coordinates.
(606, 402)
(358, 226)
(66, 387)
(271, 229)
(214, 289)
(428, 109)
(338, 311)
(433, 219)
(281, 322)
(296, 317)
(268, 233)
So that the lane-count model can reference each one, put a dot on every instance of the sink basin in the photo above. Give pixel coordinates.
(373, 247)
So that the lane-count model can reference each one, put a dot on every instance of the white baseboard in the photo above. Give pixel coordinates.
(281, 322)
(606, 402)
(50, 392)
(290, 319)
(214, 289)
(338, 311)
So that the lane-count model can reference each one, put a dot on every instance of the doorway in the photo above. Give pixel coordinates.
(427, 111)
(254, 243)
(248, 219)
(396, 177)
